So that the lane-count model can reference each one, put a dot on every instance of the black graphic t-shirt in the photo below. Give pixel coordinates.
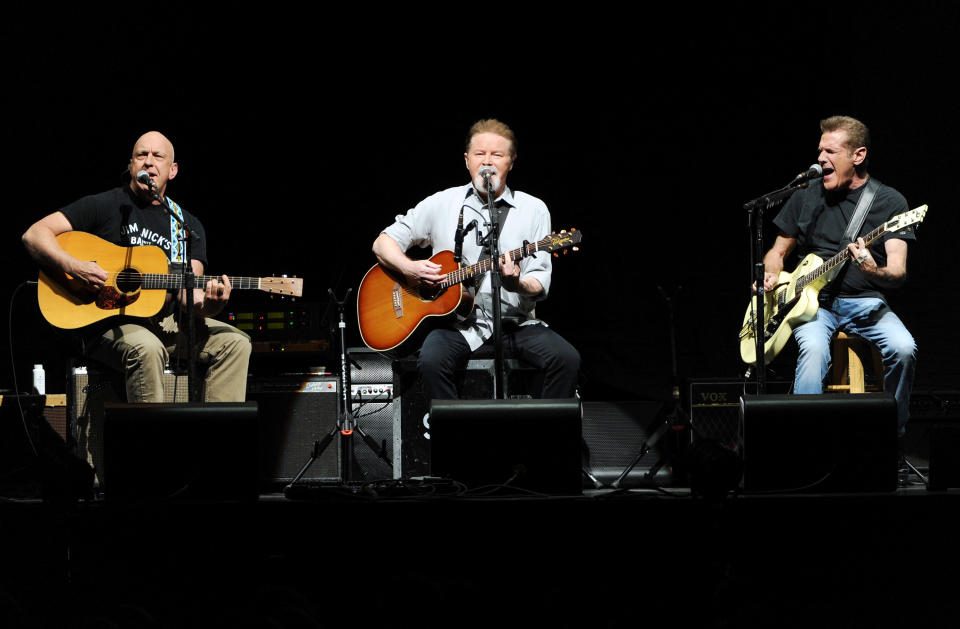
(119, 217)
(818, 220)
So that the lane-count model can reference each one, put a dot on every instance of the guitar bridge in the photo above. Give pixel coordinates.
(397, 300)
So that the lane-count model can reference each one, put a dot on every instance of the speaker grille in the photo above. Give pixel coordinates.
(295, 413)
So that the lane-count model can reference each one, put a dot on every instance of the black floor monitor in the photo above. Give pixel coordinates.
(834, 442)
(534, 444)
(180, 451)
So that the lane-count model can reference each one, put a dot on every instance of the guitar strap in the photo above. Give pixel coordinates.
(176, 232)
(862, 209)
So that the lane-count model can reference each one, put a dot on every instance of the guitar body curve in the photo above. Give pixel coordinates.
(66, 304)
(785, 308)
(390, 310)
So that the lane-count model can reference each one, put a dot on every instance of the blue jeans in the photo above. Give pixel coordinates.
(871, 319)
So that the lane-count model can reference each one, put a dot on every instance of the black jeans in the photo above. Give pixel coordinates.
(444, 351)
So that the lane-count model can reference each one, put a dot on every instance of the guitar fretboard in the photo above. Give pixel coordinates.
(173, 281)
(837, 260)
(465, 273)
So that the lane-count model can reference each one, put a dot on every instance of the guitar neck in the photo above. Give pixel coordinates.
(839, 258)
(474, 270)
(173, 281)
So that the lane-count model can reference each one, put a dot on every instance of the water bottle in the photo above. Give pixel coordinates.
(39, 380)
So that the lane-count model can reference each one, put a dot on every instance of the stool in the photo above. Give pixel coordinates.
(850, 354)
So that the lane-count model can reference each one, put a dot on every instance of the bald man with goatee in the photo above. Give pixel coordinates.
(131, 215)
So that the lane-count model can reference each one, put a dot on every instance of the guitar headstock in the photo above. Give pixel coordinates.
(564, 241)
(906, 219)
(288, 286)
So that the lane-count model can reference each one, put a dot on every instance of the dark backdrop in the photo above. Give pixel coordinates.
(301, 133)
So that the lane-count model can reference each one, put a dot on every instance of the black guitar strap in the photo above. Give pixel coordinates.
(862, 209)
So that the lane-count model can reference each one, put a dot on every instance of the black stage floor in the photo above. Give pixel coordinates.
(631, 558)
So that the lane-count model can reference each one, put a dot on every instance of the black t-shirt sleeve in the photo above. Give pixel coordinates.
(97, 214)
(895, 204)
(198, 246)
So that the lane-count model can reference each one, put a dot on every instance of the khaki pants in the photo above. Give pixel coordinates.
(141, 351)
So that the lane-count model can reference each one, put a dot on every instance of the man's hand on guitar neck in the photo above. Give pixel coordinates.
(893, 273)
(860, 254)
(511, 280)
(209, 301)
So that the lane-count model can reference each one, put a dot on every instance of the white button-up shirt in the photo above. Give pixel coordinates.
(433, 223)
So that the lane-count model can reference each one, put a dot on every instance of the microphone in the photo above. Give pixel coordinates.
(487, 171)
(144, 178)
(814, 172)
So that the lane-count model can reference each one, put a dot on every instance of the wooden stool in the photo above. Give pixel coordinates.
(850, 353)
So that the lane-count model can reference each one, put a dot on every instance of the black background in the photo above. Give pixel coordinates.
(300, 133)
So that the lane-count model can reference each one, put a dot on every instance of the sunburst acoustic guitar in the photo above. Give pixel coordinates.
(137, 285)
(389, 310)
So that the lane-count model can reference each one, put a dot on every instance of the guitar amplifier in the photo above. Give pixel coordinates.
(296, 411)
(715, 408)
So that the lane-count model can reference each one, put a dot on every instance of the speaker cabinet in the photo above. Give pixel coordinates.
(180, 451)
(614, 433)
(296, 411)
(819, 443)
(715, 408)
(533, 444)
(89, 388)
(411, 425)
(34, 458)
(944, 472)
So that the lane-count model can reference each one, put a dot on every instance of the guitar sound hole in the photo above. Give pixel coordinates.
(129, 280)
(430, 294)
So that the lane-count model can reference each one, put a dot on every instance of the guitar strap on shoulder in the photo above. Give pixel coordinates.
(176, 232)
(862, 209)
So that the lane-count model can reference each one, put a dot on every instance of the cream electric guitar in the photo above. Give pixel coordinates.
(794, 299)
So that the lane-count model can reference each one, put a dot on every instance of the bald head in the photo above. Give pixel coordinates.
(152, 153)
(156, 139)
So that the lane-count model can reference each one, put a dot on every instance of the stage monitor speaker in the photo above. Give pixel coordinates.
(536, 443)
(833, 442)
(180, 451)
(944, 472)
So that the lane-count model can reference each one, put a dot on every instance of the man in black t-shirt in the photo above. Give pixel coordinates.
(814, 221)
(130, 215)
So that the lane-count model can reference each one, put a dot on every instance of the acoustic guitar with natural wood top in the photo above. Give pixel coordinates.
(136, 287)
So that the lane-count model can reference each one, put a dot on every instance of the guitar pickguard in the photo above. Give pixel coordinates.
(109, 298)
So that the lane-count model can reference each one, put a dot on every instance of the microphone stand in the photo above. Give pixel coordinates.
(495, 285)
(347, 420)
(188, 280)
(755, 210)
